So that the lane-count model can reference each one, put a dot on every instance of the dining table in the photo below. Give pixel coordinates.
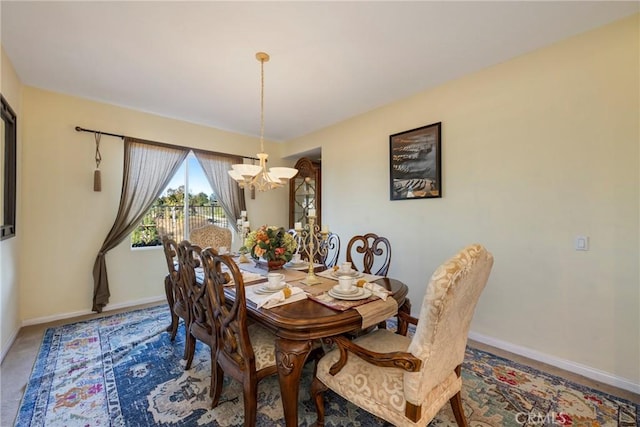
(298, 324)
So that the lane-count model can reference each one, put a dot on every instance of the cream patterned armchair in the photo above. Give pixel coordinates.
(403, 380)
(211, 236)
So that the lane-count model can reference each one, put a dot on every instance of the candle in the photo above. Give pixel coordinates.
(246, 224)
(325, 228)
(239, 222)
(297, 226)
(312, 212)
(243, 214)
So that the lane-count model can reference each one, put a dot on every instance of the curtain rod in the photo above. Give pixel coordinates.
(80, 129)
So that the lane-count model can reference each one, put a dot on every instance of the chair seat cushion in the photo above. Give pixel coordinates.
(360, 382)
(264, 348)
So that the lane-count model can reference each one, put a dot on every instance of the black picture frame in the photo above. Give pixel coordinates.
(415, 163)
(8, 175)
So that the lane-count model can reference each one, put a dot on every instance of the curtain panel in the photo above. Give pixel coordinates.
(148, 168)
(230, 195)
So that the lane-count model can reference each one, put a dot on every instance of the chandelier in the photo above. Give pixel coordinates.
(256, 176)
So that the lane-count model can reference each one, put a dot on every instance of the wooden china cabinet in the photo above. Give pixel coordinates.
(304, 192)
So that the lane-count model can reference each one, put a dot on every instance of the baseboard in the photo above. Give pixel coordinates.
(567, 365)
(7, 345)
(108, 308)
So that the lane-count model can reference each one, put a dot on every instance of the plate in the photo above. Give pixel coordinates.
(353, 291)
(265, 289)
(354, 274)
(366, 293)
(297, 264)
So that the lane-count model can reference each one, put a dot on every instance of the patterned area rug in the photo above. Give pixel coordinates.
(122, 370)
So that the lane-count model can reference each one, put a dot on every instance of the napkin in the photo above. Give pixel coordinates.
(376, 289)
(288, 293)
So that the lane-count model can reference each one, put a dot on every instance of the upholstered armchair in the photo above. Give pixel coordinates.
(404, 380)
(211, 236)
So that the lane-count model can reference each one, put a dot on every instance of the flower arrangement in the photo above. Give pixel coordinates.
(271, 243)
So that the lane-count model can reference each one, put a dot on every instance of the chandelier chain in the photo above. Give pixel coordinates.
(262, 105)
(254, 176)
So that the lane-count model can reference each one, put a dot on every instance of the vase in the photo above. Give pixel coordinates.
(270, 265)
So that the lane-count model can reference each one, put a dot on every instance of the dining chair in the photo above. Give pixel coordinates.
(175, 291)
(406, 380)
(370, 254)
(333, 250)
(211, 236)
(245, 351)
(199, 325)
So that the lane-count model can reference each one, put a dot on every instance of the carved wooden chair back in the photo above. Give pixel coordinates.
(333, 250)
(370, 254)
(201, 326)
(188, 260)
(171, 284)
(245, 352)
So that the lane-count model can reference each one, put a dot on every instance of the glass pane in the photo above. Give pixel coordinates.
(168, 213)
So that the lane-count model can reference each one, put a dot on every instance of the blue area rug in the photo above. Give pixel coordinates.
(122, 370)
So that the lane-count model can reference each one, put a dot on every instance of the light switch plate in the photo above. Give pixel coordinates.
(582, 243)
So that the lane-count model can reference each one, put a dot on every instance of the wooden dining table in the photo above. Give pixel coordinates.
(298, 324)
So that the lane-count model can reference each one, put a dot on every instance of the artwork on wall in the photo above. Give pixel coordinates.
(414, 157)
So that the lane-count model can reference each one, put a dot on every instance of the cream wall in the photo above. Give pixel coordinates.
(535, 151)
(11, 88)
(64, 222)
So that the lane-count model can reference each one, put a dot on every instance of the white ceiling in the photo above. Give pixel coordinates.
(195, 61)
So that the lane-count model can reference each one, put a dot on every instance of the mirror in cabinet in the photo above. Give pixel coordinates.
(304, 192)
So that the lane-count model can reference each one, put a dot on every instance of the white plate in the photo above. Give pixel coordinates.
(265, 289)
(354, 274)
(366, 293)
(354, 290)
(297, 265)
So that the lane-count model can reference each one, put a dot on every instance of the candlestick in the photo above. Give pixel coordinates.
(313, 241)
(243, 235)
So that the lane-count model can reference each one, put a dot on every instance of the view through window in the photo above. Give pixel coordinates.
(174, 214)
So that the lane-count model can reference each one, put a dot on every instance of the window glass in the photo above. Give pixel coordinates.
(174, 214)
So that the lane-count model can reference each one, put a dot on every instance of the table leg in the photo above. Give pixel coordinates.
(290, 358)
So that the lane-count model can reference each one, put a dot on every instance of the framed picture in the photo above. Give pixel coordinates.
(414, 157)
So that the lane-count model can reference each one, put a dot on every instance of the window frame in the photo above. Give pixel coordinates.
(186, 207)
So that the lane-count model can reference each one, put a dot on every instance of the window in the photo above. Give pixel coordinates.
(174, 214)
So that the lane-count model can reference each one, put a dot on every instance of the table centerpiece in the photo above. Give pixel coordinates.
(270, 246)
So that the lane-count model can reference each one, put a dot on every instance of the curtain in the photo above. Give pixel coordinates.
(230, 196)
(148, 168)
